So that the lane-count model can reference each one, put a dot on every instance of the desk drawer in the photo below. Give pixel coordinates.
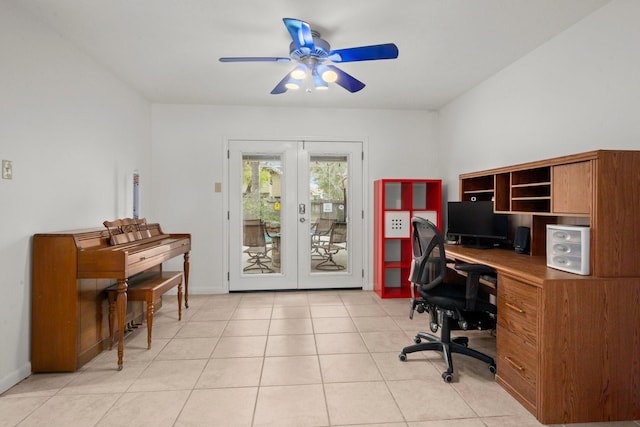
(517, 363)
(518, 309)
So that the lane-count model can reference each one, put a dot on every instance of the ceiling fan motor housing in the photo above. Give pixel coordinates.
(320, 51)
(311, 51)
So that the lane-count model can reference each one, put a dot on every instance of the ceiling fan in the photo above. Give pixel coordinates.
(313, 55)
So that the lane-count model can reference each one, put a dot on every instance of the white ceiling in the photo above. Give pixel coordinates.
(168, 50)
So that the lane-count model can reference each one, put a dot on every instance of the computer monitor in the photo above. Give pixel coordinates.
(476, 224)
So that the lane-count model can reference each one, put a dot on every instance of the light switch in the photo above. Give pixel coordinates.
(7, 169)
(218, 187)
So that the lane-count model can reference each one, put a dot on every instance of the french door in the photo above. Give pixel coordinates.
(295, 215)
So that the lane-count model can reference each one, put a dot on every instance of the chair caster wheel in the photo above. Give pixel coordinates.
(402, 357)
(492, 368)
(417, 340)
(447, 377)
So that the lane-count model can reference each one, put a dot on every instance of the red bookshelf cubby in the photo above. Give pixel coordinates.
(396, 201)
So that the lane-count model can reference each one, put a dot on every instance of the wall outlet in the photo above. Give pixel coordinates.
(7, 169)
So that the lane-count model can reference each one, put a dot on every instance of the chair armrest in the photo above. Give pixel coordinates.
(474, 272)
(479, 269)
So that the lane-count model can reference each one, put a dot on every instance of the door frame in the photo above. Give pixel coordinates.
(366, 232)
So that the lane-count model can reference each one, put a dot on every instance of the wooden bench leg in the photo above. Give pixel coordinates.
(147, 291)
(185, 267)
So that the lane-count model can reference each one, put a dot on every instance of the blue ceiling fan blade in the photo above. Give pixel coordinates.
(365, 53)
(281, 87)
(347, 81)
(300, 33)
(255, 59)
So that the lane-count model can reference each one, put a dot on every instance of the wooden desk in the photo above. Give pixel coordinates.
(568, 346)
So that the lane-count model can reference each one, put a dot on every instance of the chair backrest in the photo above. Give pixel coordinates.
(322, 226)
(338, 233)
(253, 233)
(429, 264)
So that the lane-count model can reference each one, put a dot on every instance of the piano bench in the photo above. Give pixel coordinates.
(147, 288)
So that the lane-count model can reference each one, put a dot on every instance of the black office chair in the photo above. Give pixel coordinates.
(451, 306)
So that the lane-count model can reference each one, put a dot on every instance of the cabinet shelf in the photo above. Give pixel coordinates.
(531, 176)
(478, 188)
(533, 184)
(490, 190)
(396, 201)
(396, 264)
(535, 205)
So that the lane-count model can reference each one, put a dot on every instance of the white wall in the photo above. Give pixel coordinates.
(74, 134)
(188, 158)
(578, 92)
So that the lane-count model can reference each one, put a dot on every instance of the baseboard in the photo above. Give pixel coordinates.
(15, 377)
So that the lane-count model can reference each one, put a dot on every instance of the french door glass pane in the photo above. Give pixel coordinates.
(261, 194)
(328, 199)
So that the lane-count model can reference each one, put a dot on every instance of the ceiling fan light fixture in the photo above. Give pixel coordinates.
(329, 76)
(299, 73)
(293, 83)
(318, 83)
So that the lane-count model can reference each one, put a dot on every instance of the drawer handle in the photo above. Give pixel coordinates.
(514, 364)
(514, 308)
(142, 258)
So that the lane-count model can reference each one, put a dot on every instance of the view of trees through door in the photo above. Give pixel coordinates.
(261, 204)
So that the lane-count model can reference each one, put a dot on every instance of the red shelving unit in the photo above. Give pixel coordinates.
(395, 202)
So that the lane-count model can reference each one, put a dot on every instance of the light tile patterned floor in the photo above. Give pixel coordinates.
(310, 358)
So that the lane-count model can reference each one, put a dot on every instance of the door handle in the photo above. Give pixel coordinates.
(302, 209)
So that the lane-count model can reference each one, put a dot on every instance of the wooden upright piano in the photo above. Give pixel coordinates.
(71, 270)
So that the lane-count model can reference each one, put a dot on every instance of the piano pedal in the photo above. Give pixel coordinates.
(130, 326)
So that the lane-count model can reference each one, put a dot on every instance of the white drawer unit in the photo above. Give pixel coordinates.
(397, 224)
(568, 248)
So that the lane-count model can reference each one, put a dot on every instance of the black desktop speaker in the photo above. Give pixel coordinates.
(522, 240)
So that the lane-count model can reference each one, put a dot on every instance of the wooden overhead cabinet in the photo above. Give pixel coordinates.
(597, 188)
(572, 188)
